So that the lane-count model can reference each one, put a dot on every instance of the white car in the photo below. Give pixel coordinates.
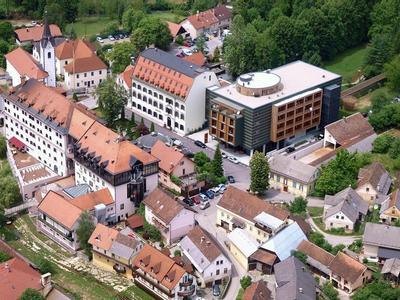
(223, 154)
(233, 159)
(204, 205)
(187, 52)
(111, 38)
(222, 188)
(99, 39)
(216, 190)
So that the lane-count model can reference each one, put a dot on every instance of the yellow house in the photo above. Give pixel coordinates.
(242, 246)
(390, 208)
(114, 250)
(292, 176)
(239, 209)
(373, 183)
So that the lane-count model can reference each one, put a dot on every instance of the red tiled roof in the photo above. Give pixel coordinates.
(173, 28)
(103, 237)
(135, 221)
(168, 156)
(204, 19)
(34, 34)
(159, 266)
(90, 200)
(25, 64)
(196, 58)
(162, 77)
(74, 48)
(347, 267)
(257, 291)
(127, 75)
(85, 64)
(16, 143)
(15, 277)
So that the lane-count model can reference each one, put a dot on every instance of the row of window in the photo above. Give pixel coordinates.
(91, 74)
(295, 184)
(154, 94)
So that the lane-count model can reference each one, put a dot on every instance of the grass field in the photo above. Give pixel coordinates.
(89, 26)
(168, 16)
(348, 63)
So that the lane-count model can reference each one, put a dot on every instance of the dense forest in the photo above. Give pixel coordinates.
(268, 33)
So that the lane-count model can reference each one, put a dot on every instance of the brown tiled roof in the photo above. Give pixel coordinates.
(135, 221)
(90, 200)
(264, 257)
(85, 64)
(315, 252)
(203, 19)
(202, 240)
(60, 209)
(103, 237)
(168, 156)
(74, 48)
(46, 101)
(35, 33)
(80, 123)
(162, 205)
(248, 206)
(127, 75)
(371, 174)
(159, 266)
(15, 277)
(173, 28)
(184, 262)
(222, 13)
(350, 129)
(347, 267)
(196, 58)
(305, 227)
(25, 64)
(257, 291)
(163, 77)
(110, 146)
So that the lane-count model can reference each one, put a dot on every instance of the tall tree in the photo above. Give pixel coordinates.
(392, 71)
(217, 164)
(131, 19)
(259, 172)
(84, 231)
(120, 56)
(151, 31)
(112, 99)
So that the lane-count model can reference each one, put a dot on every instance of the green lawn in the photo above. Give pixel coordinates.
(168, 16)
(348, 63)
(315, 211)
(88, 26)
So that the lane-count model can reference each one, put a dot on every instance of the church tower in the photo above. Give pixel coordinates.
(47, 54)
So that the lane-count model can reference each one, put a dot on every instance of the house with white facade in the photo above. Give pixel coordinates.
(208, 22)
(172, 219)
(344, 210)
(204, 253)
(170, 91)
(102, 158)
(161, 276)
(58, 215)
(39, 117)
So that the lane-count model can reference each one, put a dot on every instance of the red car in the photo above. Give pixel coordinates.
(186, 44)
(196, 199)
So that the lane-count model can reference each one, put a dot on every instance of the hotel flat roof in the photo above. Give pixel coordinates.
(296, 77)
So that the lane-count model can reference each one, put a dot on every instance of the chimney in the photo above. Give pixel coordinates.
(301, 290)
(202, 239)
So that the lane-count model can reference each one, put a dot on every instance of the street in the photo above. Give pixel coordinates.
(240, 172)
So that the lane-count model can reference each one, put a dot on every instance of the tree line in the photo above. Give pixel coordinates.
(268, 33)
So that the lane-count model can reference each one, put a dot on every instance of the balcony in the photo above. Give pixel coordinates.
(187, 283)
(186, 292)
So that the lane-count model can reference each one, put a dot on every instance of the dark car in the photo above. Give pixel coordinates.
(216, 290)
(290, 149)
(210, 194)
(188, 153)
(188, 201)
(121, 36)
(231, 179)
(200, 144)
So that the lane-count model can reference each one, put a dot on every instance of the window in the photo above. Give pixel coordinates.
(84, 75)
(100, 72)
(77, 76)
(294, 184)
(122, 206)
(92, 73)
(217, 273)
(278, 178)
(225, 270)
(367, 189)
(48, 54)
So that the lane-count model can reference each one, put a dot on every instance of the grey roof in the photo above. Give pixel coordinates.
(292, 168)
(293, 280)
(392, 200)
(172, 62)
(77, 190)
(382, 235)
(147, 141)
(392, 266)
(348, 202)
(388, 253)
(125, 244)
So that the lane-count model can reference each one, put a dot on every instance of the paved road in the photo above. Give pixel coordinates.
(239, 171)
(207, 219)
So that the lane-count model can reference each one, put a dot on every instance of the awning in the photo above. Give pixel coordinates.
(388, 253)
(16, 143)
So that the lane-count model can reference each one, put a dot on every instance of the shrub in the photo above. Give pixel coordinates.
(245, 282)
(177, 252)
(45, 266)
(382, 143)
(3, 147)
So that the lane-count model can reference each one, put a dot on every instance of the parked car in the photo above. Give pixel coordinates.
(222, 188)
(203, 197)
(180, 54)
(121, 36)
(224, 155)
(290, 149)
(210, 194)
(200, 144)
(188, 153)
(216, 290)
(116, 37)
(204, 205)
(187, 52)
(99, 39)
(111, 38)
(233, 159)
(196, 199)
(188, 201)
(231, 179)
(177, 143)
(215, 190)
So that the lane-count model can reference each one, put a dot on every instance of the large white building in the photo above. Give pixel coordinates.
(104, 159)
(39, 117)
(170, 91)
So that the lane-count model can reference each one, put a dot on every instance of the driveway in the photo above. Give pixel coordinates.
(239, 171)
(207, 219)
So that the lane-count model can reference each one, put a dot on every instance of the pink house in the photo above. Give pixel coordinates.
(172, 219)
